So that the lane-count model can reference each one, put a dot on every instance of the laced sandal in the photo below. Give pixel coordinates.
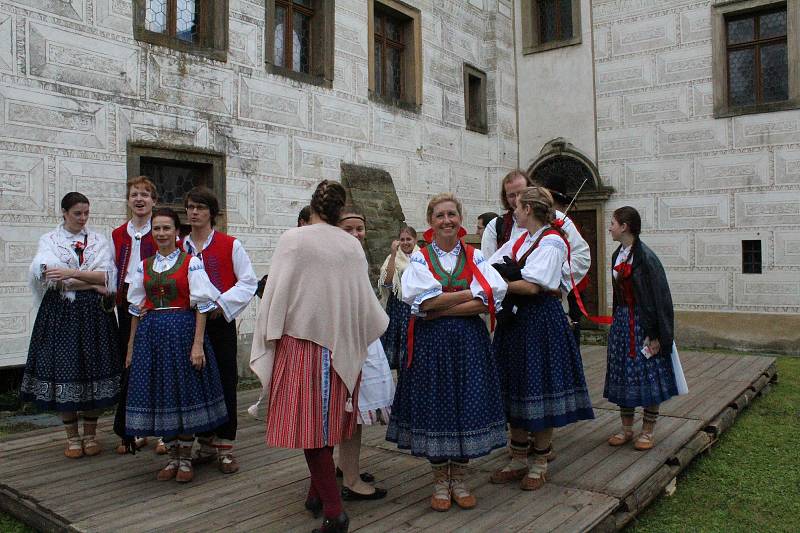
(185, 471)
(74, 449)
(227, 463)
(441, 498)
(171, 470)
(458, 488)
(623, 437)
(645, 441)
(536, 478)
(507, 474)
(161, 448)
(90, 446)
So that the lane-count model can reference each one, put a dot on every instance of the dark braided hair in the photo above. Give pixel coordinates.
(328, 200)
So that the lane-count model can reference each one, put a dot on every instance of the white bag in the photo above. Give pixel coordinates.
(680, 379)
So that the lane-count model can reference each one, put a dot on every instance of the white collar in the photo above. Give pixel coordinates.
(533, 236)
(195, 250)
(441, 253)
(132, 231)
(64, 232)
(160, 258)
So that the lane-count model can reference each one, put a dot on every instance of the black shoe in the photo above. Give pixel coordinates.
(366, 477)
(351, 495)
(340, 524)
(315, 506)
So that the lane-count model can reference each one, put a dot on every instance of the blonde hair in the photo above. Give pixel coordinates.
(441, 198)
(540, 201)
(511, 176)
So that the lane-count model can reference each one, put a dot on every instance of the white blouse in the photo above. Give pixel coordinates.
(235, 299)
(136, 248)
(418, 284)
(580, 256)
(202, 293)
(544, 265)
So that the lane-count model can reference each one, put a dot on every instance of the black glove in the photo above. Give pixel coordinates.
(509, 269)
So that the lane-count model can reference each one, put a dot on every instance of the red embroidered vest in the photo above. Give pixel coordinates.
(218, 261)
(458, 280)
(169, 288)
(123, 243)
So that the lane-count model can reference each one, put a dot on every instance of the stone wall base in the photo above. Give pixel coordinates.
(738, 331)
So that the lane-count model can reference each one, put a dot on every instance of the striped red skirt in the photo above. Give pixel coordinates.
(307, 402)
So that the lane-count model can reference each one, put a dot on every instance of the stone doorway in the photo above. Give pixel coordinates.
(561, 166)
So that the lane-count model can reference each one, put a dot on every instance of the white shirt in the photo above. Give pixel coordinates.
(543, 266)
(136, 248)
(202, 293)
(418, 284)
(234, 300)
(580, 255)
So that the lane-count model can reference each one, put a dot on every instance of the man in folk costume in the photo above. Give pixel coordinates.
(503, 228)
(574, 273)
(229, 269)
(133, 242)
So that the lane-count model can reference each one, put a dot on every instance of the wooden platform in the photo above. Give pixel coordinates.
(592, 486)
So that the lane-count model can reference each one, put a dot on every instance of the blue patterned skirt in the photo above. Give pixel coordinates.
(73, 359)
(447, 405)
(640, 381)
(167, 396)
(394, 340)
(541, 371)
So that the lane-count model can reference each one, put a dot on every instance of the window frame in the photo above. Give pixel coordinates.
(213, 30)
(531, 34)
(138, 150)
(752, 256)
(720, 14)
(482, 125)
(321, 48)
(411, 98)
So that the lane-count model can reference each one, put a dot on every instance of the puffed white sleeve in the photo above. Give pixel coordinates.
(202, 293)
(580, 257)
(235, 299)
(493, 278)
(136, 292)
(543, 266)
(418, 284)
(489, 238)
(503, 251)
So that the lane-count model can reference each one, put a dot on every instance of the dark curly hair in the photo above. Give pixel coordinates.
(328, 200)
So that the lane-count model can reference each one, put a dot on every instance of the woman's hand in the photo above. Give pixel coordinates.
(433, 315)
(655, 346)
(395, 246)
(101, 289)
(198, 357)
(58, 274)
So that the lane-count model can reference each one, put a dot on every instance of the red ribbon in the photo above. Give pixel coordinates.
(625, 271)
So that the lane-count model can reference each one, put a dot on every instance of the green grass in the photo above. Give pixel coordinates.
(748, 482)
(8, 524)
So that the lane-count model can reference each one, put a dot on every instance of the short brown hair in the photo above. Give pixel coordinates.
(514, 174)
(203, 195)
(142, 181)
(441, 198)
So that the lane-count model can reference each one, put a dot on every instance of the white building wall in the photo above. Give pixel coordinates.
(701, 184)
(75, 87)
(556, 93)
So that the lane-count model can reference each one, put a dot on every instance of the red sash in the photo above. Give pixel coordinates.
(625, 271)
(470, 271)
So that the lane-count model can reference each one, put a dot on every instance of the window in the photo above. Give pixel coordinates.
(751, 257)
(395, 62)
(176, 171)
(475, 99)
(548, 24)
(756, 57)
(300, 39)
(196, 26)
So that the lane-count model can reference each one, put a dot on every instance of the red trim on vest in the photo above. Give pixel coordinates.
(123, 243)
(180, 278)
(218, 261)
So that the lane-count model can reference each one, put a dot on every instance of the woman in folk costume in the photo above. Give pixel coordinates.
(395, 339)
(639, 370)
(174, 387)
(540, 364)
(317, 318)
(375, 394)
(72, 360)
(447, 407)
